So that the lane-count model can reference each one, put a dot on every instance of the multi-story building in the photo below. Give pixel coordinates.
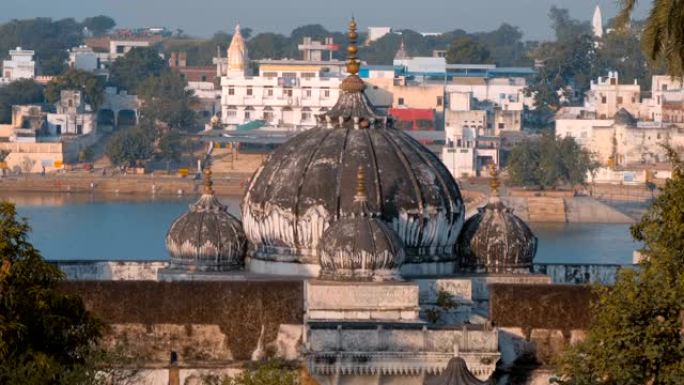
(284, 94)
(72, 117)
(607, 96)
(85, 59)
(622, 130)
(20, 65)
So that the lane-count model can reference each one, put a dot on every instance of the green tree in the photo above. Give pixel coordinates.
(99, 25)
(92, 87)
(272, 372)
(466, 50)
(165, 100)
(129, 147)
(636, 333)
(663, 34)
(549, 161)
(46, 337)
(140, 63)
(505, 46)
(170, 145)
(48, 38)
(19, 92)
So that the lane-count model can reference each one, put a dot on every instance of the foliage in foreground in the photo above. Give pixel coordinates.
(636, 336)
(548, 162)
(46, 337)
(272, 372)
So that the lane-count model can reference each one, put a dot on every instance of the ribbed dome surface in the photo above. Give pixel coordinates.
(207, 238)
(496, 241)
(309, 181)
(359, 248)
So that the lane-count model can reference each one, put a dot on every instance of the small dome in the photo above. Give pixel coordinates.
(359, 246)
(207, 237)
(496, 241)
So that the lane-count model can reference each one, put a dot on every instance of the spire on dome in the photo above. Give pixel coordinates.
(207, 182)
(353, 109)
(494, 183)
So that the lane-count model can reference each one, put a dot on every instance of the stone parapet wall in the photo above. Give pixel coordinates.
(580, 274)
(153, 318)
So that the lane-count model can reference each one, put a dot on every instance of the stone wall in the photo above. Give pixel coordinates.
(538, 322)
(201, 321)
(580, 273)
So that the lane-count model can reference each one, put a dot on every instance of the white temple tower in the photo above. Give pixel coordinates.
(237, 54)
(597, 22)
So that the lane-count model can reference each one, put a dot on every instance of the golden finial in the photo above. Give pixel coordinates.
(360, 185)
(494, 183)
(352, 49)
(208, 183)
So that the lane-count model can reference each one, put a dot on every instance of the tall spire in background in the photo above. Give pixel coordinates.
(401, 54)
(597, 22)
(237, 53)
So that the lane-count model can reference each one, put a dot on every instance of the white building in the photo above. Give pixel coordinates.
(375, 33)
(84, 58)
(119, 48)
(606, 96)
(73, 116)
(20, 65)
(285, 93)
(506, 93)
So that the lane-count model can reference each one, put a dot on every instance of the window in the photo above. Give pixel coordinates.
(501, 126)
(268, 116)
(231, 113)
(308, 75)
(306, 116)
(633, 99)
(619, 99)
(307, 92)
(204, 78)
(247, 115)
(79, 129)
(120, 49)
(58, 129)
(439, 101)
(269, 91)
(664, 88)
(270, 74)
(287, 92)
(326, 93)
(249, 91)
(71, 103)
(603, 99)
(231, 91)
(400, 101)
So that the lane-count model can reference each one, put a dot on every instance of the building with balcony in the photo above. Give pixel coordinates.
(284, 94)
(72, 117)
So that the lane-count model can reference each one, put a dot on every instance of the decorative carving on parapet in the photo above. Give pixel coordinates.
(456, 373)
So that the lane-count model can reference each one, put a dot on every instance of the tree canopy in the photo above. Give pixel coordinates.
(548, 162)
(46, 337)
(636, 333)
(140, 63)
(22, 91)
(129, 147)
(466, 50)
(99, 25)
(92, 86)
(662, 38)
(165, 100)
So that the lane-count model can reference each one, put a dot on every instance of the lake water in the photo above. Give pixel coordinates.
(77, 226)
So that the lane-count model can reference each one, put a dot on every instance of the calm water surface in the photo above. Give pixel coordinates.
(78, 226)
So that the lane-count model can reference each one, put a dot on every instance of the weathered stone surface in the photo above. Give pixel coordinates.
(460, 289)
(361, 296)
(238, 308)
(562, 307)
(288, 341)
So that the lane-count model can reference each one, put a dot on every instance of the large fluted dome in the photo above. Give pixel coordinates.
(207, 237)
(308, 182)
(496, 241)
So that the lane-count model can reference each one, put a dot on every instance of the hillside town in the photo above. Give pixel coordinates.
(372, 206)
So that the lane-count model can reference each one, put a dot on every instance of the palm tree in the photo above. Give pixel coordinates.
(663, 34)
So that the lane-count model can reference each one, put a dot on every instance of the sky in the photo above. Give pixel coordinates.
(204, 17)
